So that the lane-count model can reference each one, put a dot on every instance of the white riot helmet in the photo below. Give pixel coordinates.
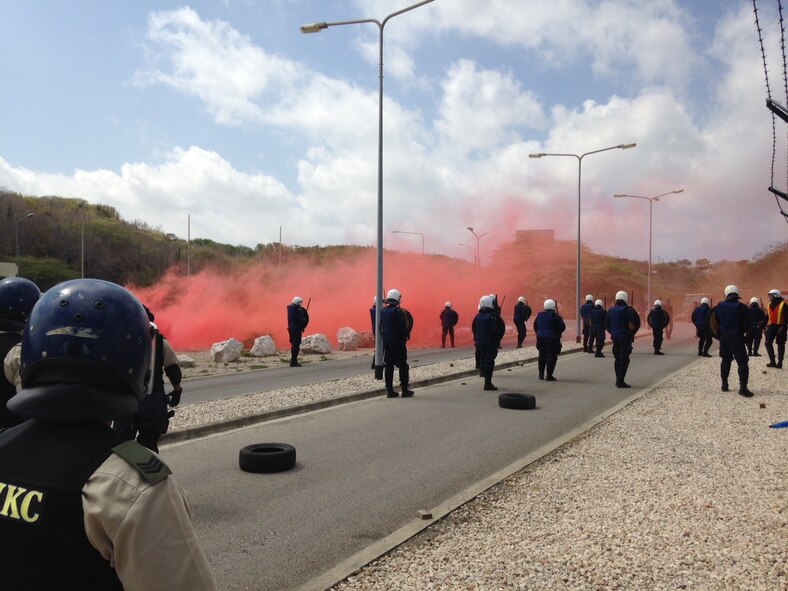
(521, 299)
(599, 303)
(705, 301)
(731, 289)
(447, 304)
(775, 293)
(549, 304)
(754, 301)
(658, 303)
(393, 295)
(297, 301)
(485, 302)
(589, 298)
(622, 295)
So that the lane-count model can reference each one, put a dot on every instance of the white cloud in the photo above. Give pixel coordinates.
(212, 61)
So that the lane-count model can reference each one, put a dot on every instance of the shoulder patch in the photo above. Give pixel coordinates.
(143, 460)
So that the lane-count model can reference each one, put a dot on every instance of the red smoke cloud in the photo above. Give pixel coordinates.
(215, 305)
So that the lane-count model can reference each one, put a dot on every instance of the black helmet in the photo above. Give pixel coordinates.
(86, 354)
(17, 297)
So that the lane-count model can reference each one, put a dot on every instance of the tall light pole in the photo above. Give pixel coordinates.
(414, 233)
(82, 237)
(579, 175)
(651, 201)
(19, 221)
(478, 252)
(316, 28)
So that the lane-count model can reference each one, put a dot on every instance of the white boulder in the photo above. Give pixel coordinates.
(186, 361)
(315, 343)
(263, 347)
(366, 340)
(226, 351)
(348, 339)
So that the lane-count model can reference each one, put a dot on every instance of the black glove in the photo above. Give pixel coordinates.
(175, 396)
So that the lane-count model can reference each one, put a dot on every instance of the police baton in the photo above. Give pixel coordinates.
(309, 301)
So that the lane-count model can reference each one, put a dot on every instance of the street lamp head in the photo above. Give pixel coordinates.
(626, 146)
(469, 228)
(538, 155)
(677, 191)
(619, 195)
(313, 28)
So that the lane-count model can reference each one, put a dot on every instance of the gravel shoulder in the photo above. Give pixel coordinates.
(685, 488)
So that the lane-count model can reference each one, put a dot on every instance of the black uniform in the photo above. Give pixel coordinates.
(622, 324)
(522, 313)
(731, 318)
(488, 330)
(449, 319)
(153, 417)
(699, 317)
(757, 322)
(597, 318)
(395, 327)
(658, 319)
(585, 315)
(548, 326)
(297, 321)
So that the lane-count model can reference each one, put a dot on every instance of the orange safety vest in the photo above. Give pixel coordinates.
(776, 313)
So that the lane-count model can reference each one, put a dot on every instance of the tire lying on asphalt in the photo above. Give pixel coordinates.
(267, 457)
(517, 401)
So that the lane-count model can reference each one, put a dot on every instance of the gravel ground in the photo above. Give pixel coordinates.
(685, 488)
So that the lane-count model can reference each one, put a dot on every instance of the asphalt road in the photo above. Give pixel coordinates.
(364, 469)
(276, 378)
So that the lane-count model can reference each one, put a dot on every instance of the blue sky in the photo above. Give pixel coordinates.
(225, 112)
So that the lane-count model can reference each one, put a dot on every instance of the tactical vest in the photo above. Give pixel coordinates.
(547, 324)
(777, 313)
(617, 321)
(485, 329)
(43, 468)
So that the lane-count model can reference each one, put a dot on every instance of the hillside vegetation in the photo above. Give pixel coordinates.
(133, 253)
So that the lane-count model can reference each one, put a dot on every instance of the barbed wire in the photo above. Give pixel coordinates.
(777, 193)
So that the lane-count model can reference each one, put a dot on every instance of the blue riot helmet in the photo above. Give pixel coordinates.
(86, 354)
(17, 298)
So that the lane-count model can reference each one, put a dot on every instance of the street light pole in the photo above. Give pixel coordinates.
(316, 28)
(579, 175)
(651, 201)
(478, 251)
(414, 233)
(19, 221)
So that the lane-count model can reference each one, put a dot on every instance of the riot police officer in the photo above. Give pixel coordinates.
(658, 319)
(488, 330)
(17, 298)
(730, 319)
(622, 323)
(776, 329)
(396, 324)
(597, 319)
(83, 510)
(449, 319)
(297, 321)
(153, 417)
(585, 315)
(699, 319)
(522, 313)
(548, 326)
(757, 322)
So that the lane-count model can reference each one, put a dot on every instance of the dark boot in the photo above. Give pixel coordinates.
(294, 360)
(404, 378)
(725, 386)
(550, 370)
(488, 385)
(388, 376)
(743, 391)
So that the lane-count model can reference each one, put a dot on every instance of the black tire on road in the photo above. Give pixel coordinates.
(517, 401)
(267, 457)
